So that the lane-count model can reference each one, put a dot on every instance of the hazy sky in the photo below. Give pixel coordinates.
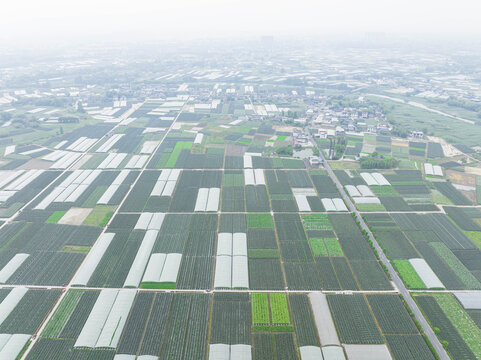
(42, 20)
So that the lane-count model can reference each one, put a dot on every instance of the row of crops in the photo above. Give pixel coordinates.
(405, 190)
(181, 325)
(302, 252)
(429, 250)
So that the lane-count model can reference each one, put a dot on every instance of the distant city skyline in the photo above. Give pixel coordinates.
(56, 20)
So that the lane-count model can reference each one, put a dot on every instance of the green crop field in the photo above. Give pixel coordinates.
(408, 274)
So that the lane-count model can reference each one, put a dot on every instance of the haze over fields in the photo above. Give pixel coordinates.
(52, 21)
(230, 180)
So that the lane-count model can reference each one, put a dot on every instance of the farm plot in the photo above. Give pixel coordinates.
(274, 346)
(462, 217)
(50, 260)
(159, 324)
(303, 320)
(408, 274)
(270, 312)
(448, 190)
(233, 193)
(409, 347)
(435, 150)
(354, 320)
(280, 191)
(391, 314)
(26, 310)
(455, 345)
(231, 319)
(189, 187)
(395, 244)
(140, 194)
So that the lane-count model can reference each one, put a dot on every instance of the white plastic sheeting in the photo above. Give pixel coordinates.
(115, 163)
(328, 204)
(219, 352)
(367, 200)
(438, 171)
(169, 187)
(304, 191)
(11, 301)
(333, 353)
(224, 244)
(171, 268)
(240, 352)
(71, 188)
(367, 352)
(137, 161)
(112, 161)
(469, 300)
(352, 190)
(14, 345)
(174, 175)
(156, 221)
(339, 204)
(433, 170)
(158, 188)
(247, 161)
(60, 144)
(323, 319)
(198, 138)
(93, 259)
(24, 180)
(67, 159)
(141, 259)
(112, 189)
(380, 179)
(240, 272)
(427, 275)
(164, 174)
(239, 244)
(201, 201)
(9, 150)
(12, 266)
(249, 178)
(82, 144)
(4, 339)
(42, 205)
(56, 155)
(148, 147)
(428, 169)
(143, 221)
(213, 200)
(310, 353)
(207, 199)
(302, 203)
(150, 221)
(95, 322)
(106, 146)
(124, 357)
(364, 190)
(232, 269)
(259, 177)
(147, 357)
(154, 268)
(112, 329)
(369, 179)
(5, 195)
(7, 176)
(223, 272)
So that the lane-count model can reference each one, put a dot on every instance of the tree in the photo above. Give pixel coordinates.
(80, 107)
